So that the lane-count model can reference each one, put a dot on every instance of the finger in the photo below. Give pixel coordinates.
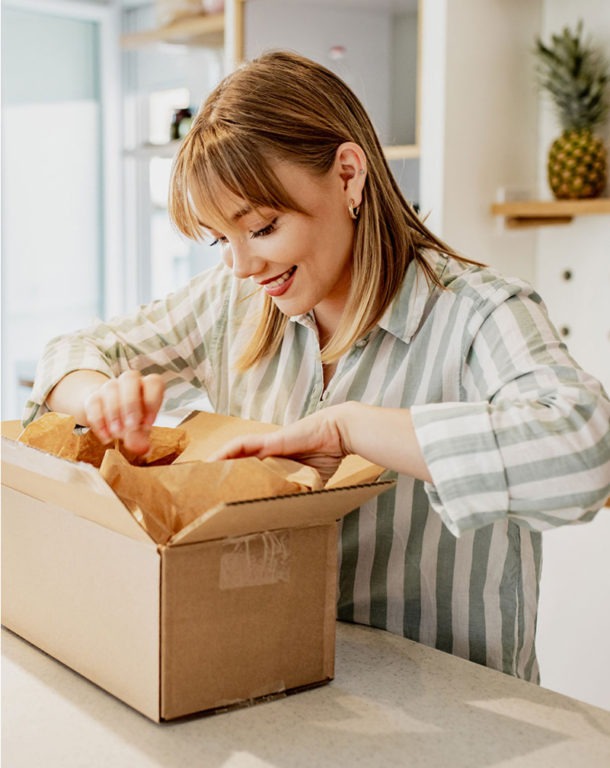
(130, 400)
(153, 390)
(95, 417)
(275, 444)
(303, 438)
(111, 411)
(136, 432)
(295, 440)
(242, 447)
(137, 440)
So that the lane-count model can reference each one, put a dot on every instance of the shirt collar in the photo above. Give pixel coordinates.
(306, 319)
(404, 314)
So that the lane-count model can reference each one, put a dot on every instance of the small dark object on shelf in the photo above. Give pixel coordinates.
(181, 123)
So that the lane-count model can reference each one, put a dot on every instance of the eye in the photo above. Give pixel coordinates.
(265, 230)
(222, 240)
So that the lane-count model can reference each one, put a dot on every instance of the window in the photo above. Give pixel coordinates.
(56, 226)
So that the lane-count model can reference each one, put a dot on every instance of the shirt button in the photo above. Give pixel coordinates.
(324, 395)
(361, 343)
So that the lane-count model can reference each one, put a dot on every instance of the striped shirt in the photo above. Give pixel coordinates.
(516, 437)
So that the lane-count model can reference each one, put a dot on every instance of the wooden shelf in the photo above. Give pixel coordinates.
(204, 30)
(148, 151)
(401, 151)
(537, 213)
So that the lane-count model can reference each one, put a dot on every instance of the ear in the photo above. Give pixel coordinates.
(350, 163)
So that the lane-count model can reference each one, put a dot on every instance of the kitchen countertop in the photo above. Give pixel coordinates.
(393, 702)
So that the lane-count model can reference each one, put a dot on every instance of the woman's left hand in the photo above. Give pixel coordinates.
(383, 436)
(316, 440)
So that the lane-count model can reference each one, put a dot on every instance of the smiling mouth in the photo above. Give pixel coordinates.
(276, 282)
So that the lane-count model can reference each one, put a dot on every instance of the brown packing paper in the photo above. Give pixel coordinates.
(54, 433)
(295, 472)
(165, 499)
(208, 432)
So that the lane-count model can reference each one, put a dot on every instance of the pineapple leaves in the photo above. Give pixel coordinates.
(575, 76)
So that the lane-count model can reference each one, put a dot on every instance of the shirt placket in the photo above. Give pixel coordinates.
(326, 398)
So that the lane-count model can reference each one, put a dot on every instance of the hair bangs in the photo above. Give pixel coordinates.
(210, 167)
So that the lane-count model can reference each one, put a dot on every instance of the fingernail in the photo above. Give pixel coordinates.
(104, 437)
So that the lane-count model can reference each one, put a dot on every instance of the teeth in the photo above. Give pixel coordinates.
(281, 279)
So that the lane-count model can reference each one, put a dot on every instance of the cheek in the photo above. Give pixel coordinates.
(339, 242)
(336, 228)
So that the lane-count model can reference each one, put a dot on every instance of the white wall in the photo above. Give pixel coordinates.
(583, 247)
(313, 30)
(479, 124)
(574, 621)
(483, 128)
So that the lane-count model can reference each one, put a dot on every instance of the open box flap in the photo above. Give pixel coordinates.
(75, 486)
(12, 429)
(297, 511)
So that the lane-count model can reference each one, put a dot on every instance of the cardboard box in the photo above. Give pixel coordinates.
(238, 606)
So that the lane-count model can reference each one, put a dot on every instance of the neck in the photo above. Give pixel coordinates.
(327, 321)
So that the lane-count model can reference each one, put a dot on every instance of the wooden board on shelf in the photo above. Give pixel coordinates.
(401, 152)
(148, 151)
(170, 149)
(535, 213)
(204, 30)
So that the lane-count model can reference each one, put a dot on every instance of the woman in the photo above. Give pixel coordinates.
(336, 303)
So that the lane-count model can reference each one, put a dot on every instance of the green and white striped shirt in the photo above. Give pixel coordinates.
(515, 434)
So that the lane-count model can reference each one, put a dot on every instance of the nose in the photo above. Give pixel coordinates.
(238, 258)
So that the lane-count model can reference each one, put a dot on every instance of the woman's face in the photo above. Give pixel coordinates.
(301, 260)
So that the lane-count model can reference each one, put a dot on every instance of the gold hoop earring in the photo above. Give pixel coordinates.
(354, 210)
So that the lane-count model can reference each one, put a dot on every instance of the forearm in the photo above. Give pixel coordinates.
(384, 436)
(70, 393)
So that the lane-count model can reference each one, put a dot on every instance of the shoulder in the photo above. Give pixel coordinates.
(484, 288)
(217, 279)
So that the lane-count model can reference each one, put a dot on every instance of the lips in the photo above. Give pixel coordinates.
(278, 285)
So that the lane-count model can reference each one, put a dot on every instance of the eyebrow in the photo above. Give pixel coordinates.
(236, 216)
(241, 213)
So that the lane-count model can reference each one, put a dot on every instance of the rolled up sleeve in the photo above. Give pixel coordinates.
(530, 442)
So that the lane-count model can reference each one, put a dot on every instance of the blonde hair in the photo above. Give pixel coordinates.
(283, 106)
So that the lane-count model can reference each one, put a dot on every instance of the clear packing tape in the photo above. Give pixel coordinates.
(163, 494)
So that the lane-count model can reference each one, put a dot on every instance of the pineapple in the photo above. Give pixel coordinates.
(576, 78)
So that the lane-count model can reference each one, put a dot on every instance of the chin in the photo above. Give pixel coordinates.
(292, 308)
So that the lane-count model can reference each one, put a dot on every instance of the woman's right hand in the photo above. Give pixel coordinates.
(125, 408)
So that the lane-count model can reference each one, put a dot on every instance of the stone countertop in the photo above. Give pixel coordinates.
(393, 703)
